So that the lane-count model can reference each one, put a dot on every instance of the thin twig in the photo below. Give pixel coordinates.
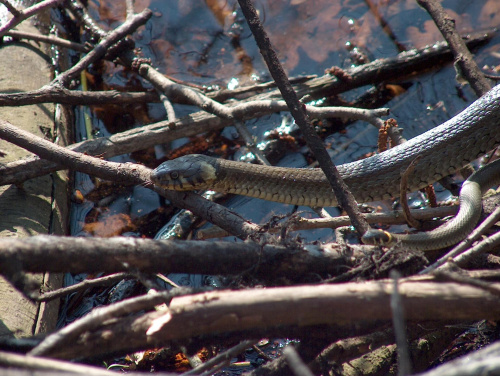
(222, 357)
(174, 90)
(344, 197)
(85, 284)
(398, 322)
(482, 247)
(11, 8)
(443, 275)
(463, 57)
(403, 189)
(130, 8)
(51, 39)
(103, 46)
(27, 13)
(18, 361)
(169, 109)
(250, 143)
(388, 218)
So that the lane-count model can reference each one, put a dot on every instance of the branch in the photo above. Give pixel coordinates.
(164, 132)
(463, 57)
(344, 197)
(27, 13)
(297, 223)
(50, 39)
(54, 94)
(224, 312)
(103, 46)
(88, 255)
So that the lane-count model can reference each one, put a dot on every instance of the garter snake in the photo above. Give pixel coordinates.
(442, 150)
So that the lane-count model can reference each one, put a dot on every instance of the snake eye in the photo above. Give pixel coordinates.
(174, 175)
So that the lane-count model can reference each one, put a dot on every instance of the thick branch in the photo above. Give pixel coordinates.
(88, 255)
(234, 311)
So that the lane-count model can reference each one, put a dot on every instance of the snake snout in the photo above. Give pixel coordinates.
(187, 173)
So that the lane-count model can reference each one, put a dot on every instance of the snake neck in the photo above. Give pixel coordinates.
(279, 184)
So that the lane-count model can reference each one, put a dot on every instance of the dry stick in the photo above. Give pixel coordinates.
(131, 173)
(250, 143)
(347, 349)
(174, 90)
(222, 357)
(51, 39)
(103, 46)
(169, 108)
(130, 8)
(485, 361)
(162, 132)
(344, 197)
(88, 283)
(61, 95)
(484, 246)
(44, 253)
(403, 189)
(398, 322)
(18, 361)
(78, 11)
(99, 315)
(463, 57)
(10, 7)
(466, 280)
(389, 218)
(26, 13)
(252, 311)
(466, 243)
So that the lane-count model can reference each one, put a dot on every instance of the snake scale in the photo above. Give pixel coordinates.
(442, 150)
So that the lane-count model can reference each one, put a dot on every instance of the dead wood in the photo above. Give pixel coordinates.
(228, 311)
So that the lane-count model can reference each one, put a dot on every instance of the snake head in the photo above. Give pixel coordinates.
(187, 173)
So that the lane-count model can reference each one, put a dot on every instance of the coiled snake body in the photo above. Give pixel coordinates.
(442, 150)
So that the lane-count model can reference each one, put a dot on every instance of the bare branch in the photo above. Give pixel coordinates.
(463, 57)
(103, 46)
(51, 39)
(86, 255)
(27, 13)
(251, 310)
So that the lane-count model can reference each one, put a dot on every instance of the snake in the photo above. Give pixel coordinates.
(442, 151)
